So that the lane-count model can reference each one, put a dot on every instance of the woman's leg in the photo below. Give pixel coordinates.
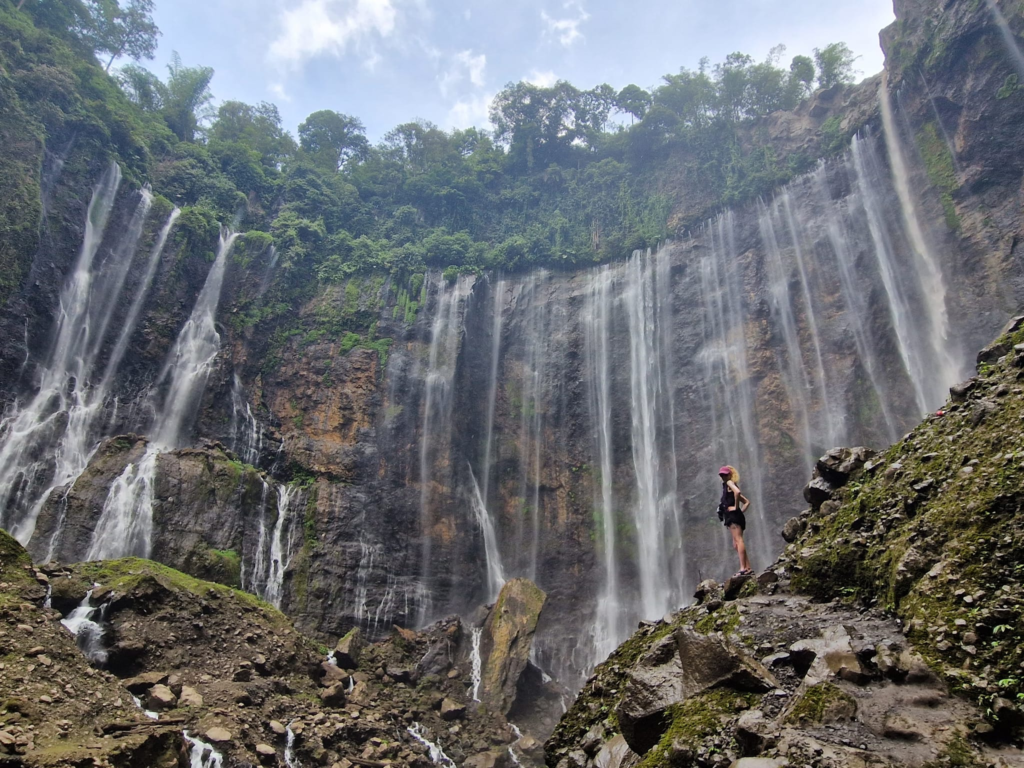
(740, 546)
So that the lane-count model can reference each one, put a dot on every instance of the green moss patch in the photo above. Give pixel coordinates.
(822, 703)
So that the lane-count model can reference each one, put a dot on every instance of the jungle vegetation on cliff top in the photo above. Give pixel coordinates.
(560, 181)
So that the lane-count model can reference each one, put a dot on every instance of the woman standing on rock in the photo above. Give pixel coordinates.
(730, 512)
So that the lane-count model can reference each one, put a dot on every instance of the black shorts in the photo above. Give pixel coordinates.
(735, 517)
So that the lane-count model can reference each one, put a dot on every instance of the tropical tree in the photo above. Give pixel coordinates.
(835, 65)
(330, 138)
(123, 30)
(633, 100)
(186, 98)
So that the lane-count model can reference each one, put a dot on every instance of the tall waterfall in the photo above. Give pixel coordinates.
(125, 526)
(446, 334)
(46, 444)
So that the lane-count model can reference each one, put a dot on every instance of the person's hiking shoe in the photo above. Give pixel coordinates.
(745, 572)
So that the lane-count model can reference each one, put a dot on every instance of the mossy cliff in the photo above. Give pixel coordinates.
(933, 532)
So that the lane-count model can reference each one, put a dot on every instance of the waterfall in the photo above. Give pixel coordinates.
(289, 749)
(654, 513)
(933, 285)
(246, 432)
(609, 627)
(1009, 39)
(280, 546)
(481, 495)
(531, 405)
(734, 438)
(88, 632)
(495, 577)
(446, 335)
(125, 526)
(437, 755)
(476, 662)
(192, 358)
(202, 755)
(839, 238)
(255, 580)
(48, 442)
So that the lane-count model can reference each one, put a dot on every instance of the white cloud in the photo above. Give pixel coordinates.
(464, 66)
(567, 30)
(331, 27)
(544, 79)
(469, 112)
(278, 90)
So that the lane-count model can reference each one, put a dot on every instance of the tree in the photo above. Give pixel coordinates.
(835, 65)
(142, 87)
(257, 127)
(186, 98)
(331, 138)
(120, 31)
(634, 100)
(802, 72)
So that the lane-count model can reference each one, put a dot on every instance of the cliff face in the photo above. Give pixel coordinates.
(389, 451)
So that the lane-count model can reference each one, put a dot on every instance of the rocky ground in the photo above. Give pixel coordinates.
(177, 662)
(889, 632)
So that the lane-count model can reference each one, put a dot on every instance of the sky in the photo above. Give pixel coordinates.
(389, 62)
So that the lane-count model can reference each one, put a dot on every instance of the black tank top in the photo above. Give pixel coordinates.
(728, 497)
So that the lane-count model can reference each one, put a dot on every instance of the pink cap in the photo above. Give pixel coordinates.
(725, 471)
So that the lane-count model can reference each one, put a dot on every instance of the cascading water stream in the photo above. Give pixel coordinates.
(280, 547)
(437, 755)
(1009, 39)
(125, 526)
(88, 632)
(290, 760)
(655, 511)
(609, 626)
(495, 575)
(933, 283)
(202, 755)
(446, 334)
(476, 663)
(51, 424)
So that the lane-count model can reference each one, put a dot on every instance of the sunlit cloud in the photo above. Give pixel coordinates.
(544, 79)
(332, 28)
(567, 29)
(464, 66)
(470, 112)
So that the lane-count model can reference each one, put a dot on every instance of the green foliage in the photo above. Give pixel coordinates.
(122, 29)
(1009, 87)
(835, 65)
(941, 171)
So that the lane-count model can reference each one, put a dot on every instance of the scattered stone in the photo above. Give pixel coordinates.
(793, 528)
(218, 735)
(452, 710)
(190, 697)
(139, 684)
(333, 696)
(160, 697)
(277, 727)
(349, 649)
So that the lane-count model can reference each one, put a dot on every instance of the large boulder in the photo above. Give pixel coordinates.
(349, 648)
(676, 668)
(507, 638)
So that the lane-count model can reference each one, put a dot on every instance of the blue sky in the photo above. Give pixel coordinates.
(392, 61)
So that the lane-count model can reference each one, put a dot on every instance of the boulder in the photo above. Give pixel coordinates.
(960, 392)
(331, 675)
(190, 697)
(793, 528)
(678, 667)
(507, 638)
(734, 585)
(817, 492)
(709, 588)
(333, 696)
(349, 649)
(749, 732)
(160, 697)
(614, 754)
(832, 654)
(452, 710)
(992, 352)
(840, 464)
(139, 684)
(218, 735)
